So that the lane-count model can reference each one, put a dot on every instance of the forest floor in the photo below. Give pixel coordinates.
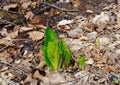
(88, 27)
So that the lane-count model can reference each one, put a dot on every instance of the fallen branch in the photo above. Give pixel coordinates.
(61, 9)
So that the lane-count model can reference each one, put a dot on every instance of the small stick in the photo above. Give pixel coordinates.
(61, 9)
(14, 67)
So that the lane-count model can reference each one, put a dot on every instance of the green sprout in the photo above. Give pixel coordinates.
(56, 53)
(97, 42)
(116, 81)
(81, 61)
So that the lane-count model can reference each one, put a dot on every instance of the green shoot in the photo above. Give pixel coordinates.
(116, 81)
(97, 42)
(55, 51)
(81, 61)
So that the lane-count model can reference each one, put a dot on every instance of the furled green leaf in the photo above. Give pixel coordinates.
(51, 49)
(46, 59)
(66, 53)
(55, 52)
(50, 36)
(81, 61)
(97, 42)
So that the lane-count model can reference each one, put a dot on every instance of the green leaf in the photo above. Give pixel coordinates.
(81, 61)
(46, 59)
(116, 81)
(53, 54)
(97, 42)
(51, 49)
(66, 53)
(50, 36)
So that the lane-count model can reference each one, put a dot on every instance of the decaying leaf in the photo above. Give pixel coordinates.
(6, 41)
(64, 22)
(24, 29)
(103, 17)
(36, 35)
(111, 69)
(10, 6)
(56, 78)
(37, 75)
(26, 4)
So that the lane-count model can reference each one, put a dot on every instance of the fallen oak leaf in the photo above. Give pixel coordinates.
(36, 35)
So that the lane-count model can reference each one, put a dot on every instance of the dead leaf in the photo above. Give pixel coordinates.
(28, 79)
(56, 78)
(82, 80)
(111, 69)
(6, 41)
(26, 5)
(102, 18)
(13, 34)
(75, 33)
(74, 44)
(34, 82)
(4, 32)
(37, 75)
(24, 29)
(76, 2)
(7, 7)
(64, 22)
(29, 15)
(40, 65)
(90, 61)
(102, 80)
(36, 35)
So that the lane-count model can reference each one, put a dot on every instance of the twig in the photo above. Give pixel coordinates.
(7, 21)
(14, 67)
(61, 9)
(5, 46)
(13, 40)
(10, 11)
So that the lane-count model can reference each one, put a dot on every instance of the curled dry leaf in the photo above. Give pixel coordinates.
(7, 7)
(36, 35)
(29, 15)
(64, 22)
(24, 29)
